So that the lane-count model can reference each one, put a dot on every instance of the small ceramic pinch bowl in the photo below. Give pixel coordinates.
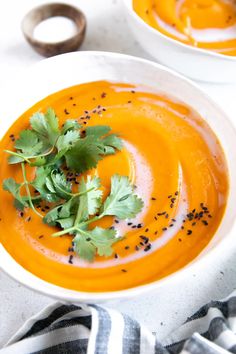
(196, 63)
(66, 70)
(47, 11)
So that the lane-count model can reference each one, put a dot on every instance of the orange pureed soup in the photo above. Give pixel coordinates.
(170, 154)
(207, 24)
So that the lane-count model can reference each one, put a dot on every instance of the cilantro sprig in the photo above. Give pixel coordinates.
(73, 207)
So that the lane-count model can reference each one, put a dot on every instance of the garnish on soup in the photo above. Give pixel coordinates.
(59, 156)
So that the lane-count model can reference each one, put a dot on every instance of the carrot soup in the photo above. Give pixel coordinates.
(169, 155)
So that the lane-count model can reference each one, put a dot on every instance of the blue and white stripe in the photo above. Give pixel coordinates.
(68, 328)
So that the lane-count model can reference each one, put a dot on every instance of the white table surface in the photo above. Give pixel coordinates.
(161, 312)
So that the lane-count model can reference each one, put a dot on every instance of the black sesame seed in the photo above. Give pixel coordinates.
(189, 232)
(126, 247)
(205, 222)
(146, 230)
(129, 223)
(136, 248)
(124, 270)
(70, 259)
(40, 236)
(156, 232)
(153, 198)
(116, 255)
(144, 238)
(147, 248)
(164, 228)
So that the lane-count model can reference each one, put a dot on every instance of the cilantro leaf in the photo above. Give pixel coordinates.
(122, 202)
(103, 239)
(28, 143)
(87, 152)
(39, 161)
(13, 159)
(66, 222)
(70, 125)
(12, 187)
(87, 243)
(111, 142)
(84, 248)
(51, 217)
(60, 185)
(91, 198)
(97, 131)
(84, 155)
(107, 143)
(66, 141)
(69, 208)
(46, 126)
(41, 184)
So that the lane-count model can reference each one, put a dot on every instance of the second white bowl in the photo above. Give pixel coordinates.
(197, 63)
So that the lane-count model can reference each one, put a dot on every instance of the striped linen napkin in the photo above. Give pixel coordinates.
(67, 329)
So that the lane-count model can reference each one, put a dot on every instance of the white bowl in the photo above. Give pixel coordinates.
(199, 64)
(66, 70)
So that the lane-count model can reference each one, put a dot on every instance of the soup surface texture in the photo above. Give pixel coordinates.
(207, 24)
(179, 170)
